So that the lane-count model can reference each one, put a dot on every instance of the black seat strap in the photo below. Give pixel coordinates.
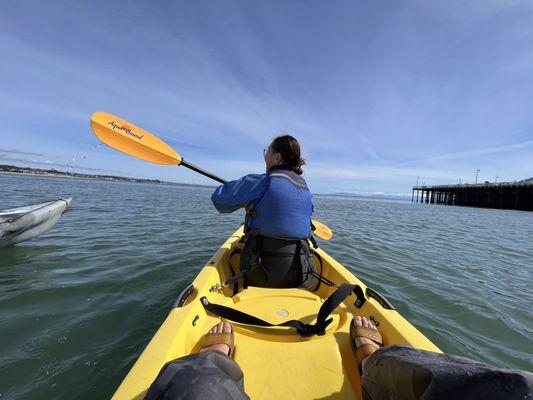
(305, 330)
(232, 271)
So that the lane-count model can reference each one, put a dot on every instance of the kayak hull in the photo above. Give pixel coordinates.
(277, 362)
(25, 223)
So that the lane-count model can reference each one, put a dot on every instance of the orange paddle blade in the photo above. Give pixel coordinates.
(130, 139)
(321, 230)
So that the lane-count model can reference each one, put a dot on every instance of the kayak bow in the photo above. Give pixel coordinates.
(24, 223)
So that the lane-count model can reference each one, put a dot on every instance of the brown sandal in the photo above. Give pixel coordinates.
(365, 350)
(212, 338)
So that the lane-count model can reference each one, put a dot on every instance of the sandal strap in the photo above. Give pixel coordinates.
(369, 333)
(364, 351)
(212, 338)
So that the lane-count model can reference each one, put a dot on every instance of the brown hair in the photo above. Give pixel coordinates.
(289, 148)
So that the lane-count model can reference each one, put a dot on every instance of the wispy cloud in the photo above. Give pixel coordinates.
(376, 173)
(14, 151)
(21, 103)
(470, 153)
(49, 164)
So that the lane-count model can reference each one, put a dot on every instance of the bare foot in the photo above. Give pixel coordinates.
(360, 341)
(221, 327)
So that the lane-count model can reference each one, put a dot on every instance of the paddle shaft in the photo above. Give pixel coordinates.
(203, 172)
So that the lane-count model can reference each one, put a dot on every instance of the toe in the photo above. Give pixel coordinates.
(227, 327)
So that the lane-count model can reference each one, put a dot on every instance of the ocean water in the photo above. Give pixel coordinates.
(79, 304)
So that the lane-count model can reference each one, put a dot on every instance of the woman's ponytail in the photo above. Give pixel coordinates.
(289, 148)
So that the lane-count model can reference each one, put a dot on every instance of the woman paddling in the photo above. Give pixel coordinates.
(278, 218)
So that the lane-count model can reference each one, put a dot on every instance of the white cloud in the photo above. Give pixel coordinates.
(377, 173)
(471, 153)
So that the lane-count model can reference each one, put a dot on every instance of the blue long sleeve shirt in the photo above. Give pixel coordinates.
(281, 202)
(240, 193)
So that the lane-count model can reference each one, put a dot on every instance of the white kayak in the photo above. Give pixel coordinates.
(24, 223)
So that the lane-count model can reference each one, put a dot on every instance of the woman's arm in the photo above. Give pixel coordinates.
(236, 194)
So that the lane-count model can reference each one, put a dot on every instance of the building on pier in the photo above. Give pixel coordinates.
(507, 195)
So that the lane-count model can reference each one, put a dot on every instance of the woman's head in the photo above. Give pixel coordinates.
(284, 150)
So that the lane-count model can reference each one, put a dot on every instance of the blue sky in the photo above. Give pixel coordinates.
(377, 92)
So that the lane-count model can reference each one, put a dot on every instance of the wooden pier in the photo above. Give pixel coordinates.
(513, 196)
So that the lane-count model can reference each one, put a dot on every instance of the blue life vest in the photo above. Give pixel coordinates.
(284, 210)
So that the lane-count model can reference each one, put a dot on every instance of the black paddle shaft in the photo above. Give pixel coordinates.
(201, 171)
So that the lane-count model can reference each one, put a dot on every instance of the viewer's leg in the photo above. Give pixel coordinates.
(209, 374)
(406, 373)
(412, 374)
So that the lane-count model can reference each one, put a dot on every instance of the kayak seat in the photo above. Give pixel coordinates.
(278, 306)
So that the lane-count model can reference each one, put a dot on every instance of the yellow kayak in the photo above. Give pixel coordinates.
(277, 362)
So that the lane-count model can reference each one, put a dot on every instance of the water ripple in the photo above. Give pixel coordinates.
(80, 303)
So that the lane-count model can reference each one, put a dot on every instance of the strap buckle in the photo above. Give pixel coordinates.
(319, 329)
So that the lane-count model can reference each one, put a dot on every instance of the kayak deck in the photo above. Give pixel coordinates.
(277, 362)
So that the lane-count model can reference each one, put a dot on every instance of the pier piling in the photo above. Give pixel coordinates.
(515, 195)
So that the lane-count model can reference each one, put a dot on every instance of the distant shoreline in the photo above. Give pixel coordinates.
(14, 170)
(387, 197)
(53, 173)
